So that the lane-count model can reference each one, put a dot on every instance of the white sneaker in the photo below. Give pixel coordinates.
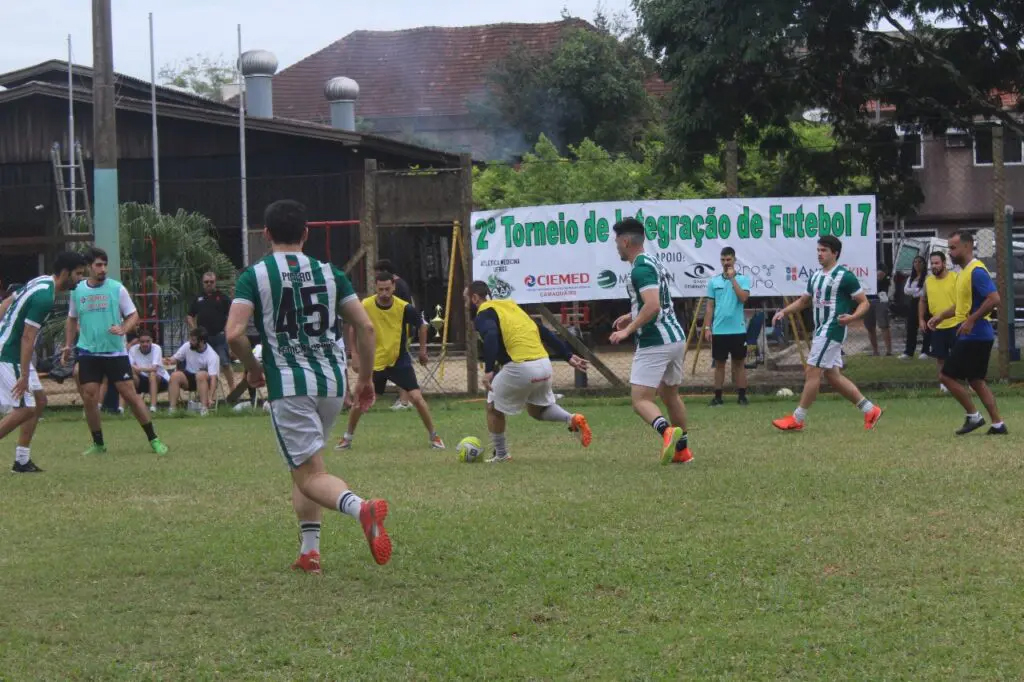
(152, 409)
(924, 356)
(499, 460)
(904, 356)
(399, 405)
(344, 444)
(943, 389)
(203, 412)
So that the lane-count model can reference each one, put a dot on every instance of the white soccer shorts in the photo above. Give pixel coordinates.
(302, 425)
(657, 365)
(519, 384)
(8, 377)
(825, 353)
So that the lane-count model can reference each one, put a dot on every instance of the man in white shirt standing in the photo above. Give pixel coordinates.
(202, 370)
(148, 369)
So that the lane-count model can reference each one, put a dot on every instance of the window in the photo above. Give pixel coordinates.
(912, 147)
(1013, 147)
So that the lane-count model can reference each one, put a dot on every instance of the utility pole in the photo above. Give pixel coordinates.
(1004, 272)
(104, 130)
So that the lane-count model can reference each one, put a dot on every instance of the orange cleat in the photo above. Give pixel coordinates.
(671, 439)
(578, 425)
(371, 516)
(684, 456)
(872, 417)
(308, 562)
(788, 424)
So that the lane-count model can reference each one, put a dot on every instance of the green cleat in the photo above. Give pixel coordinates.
(96, 450)
(158, 447)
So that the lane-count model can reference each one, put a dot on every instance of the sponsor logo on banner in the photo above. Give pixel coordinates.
(499, 287)
(557, 284)
(700, 271)
(607, 279)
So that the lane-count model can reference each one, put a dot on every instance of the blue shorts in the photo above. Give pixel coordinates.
(942, 341)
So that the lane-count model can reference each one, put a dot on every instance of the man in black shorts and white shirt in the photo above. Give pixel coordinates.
(201, 371)
(147, 359)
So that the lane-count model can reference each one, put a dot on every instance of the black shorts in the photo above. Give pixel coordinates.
(190, 380)
(93, 369)
(968, 361)
(161, 385)
(724, 345)
(404, 377)
(942, 341)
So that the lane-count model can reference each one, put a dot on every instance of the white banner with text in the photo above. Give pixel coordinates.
(548, 254)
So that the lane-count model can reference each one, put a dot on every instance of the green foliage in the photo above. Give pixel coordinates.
(592, 85)
(201, 74)
(746, 68)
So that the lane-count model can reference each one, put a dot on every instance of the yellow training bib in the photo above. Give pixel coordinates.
(941, 295)
(518, 331)
(388, 325)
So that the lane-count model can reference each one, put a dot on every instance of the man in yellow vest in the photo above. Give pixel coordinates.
(939, 296)
(975, 297)
(392, 317)
(518, 369)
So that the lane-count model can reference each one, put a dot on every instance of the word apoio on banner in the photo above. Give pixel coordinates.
(695, 227)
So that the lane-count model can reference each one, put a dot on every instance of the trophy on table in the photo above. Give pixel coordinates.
(438, 322)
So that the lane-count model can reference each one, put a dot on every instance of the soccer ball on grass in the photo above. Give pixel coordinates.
(784, 393)
(469, 450)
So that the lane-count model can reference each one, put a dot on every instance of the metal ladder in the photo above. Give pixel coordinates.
(72, 201)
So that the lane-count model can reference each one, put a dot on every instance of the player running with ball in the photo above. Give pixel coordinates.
(295, 300)
(832, 291)
(515, 342)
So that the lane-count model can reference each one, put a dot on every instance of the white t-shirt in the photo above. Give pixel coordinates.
(155, 358)
(196, 362)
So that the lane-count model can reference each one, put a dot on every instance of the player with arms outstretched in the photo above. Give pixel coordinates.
(660, 343)
(295, 300)
(518, 369)
(838, 301)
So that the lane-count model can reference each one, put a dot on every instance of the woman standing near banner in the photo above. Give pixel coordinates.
(913, 290)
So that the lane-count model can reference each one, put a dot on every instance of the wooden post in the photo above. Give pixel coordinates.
(466, 254)
(368, 221)
(580, 349)
(694, 328)
(1003, 268)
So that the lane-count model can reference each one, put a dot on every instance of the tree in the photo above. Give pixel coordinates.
(202, 75)
(591, 85)
(745, 69)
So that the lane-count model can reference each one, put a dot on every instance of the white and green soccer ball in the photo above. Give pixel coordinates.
(784, 393)
(470, 450)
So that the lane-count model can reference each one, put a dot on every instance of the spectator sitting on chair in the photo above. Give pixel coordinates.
(148, 370)
(201, 371)
(404, 292)
(210, 311)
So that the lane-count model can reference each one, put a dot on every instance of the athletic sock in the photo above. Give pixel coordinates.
(683, 443)
(742, 392)
(347, 436)
(310, 531)
(865, 405)
(500, 446)
(21, 455)
(718, 394)
(150, 431)
(994, 426)
(800, 414)
(975, 417)
(660, 425)
(97, 437)
(350, 503)
(555, 413)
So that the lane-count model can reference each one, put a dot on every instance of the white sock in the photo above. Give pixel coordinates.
(21, 455)
(350, 503)
(555, 413)
(500, 447)
(310, 531)
(800, 414)
(347, 436)
(866, 406)
(997, 426)
(976, 417)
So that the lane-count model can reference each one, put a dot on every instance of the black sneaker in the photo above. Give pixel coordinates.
(970, 425)
(716, 402)
(998, 430)
(742, 400)
(28, 467)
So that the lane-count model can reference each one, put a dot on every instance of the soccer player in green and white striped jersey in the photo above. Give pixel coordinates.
(295, 300)
(838, 301)
(660, 343)
(21, 316)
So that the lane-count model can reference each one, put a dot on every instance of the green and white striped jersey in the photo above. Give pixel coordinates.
(31, 305)
(647, 274)
(295, 302)
(832, 295)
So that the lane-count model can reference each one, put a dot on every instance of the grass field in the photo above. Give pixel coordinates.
(828, 554)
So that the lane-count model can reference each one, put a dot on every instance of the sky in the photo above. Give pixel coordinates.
(291, 30)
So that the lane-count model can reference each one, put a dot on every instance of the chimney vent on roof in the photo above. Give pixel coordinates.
(342, 93)
(258, 68)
